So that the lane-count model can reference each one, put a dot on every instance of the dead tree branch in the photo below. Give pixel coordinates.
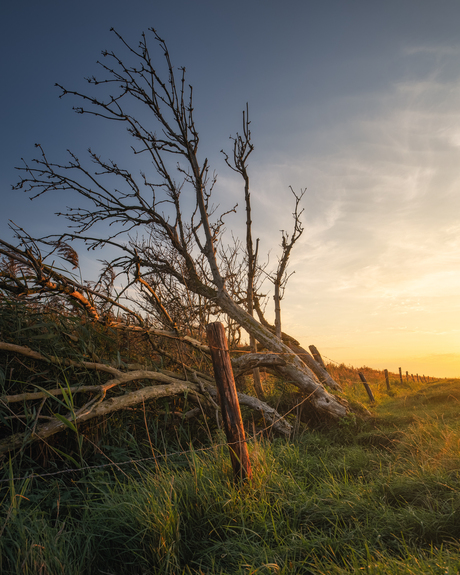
(176, 208)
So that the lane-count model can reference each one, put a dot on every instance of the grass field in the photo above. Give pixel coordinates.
(376, 494)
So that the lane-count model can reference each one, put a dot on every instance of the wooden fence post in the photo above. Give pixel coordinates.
(317, 356)
(229, 404)
(387, 379)
(407, 376)
(366, 387)
(400, 376)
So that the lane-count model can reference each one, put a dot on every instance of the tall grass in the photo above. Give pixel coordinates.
(377, 493)
(381, 496)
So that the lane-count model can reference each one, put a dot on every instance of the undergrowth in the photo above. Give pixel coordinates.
(320, 503)
(146, 492)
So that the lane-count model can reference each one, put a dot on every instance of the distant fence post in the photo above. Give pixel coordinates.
(366, 387)
(400, 376)
(418, 379)
(387, 379)
(407, 376)
(315, 353)
(228, 398)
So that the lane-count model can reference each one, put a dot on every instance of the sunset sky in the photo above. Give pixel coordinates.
(358, 101)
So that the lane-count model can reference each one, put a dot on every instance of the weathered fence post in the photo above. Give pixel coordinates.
(229, 404)
(387, 379)
(366, 387)
(400, 376)
(407, 376)
(315, 353)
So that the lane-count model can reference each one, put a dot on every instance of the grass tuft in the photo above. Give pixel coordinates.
(378, 493)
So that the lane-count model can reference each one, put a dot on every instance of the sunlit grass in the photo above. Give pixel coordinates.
(381, 496)
(378, 492)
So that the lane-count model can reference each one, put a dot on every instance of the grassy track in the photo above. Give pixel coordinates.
(375, 496)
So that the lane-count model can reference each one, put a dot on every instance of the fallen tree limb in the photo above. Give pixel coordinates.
(170, 383)
(274, 419)
(319, 371)
(240, 365)
(88, 411)
(101, 406)
(249, 361)
(316, 367)
(45, 394)
(271, 416)
(24, 350)
(162, 333)
(103, 388)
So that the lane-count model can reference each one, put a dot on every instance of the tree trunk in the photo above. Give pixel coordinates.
(277, 299)
(295, 370)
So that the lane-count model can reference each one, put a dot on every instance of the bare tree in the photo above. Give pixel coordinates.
(176, 209)
(281, 277)
(242, 148)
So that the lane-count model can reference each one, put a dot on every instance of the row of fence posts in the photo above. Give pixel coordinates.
(419, 378)
(228, 398)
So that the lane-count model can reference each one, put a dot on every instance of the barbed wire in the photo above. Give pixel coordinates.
(166, 455)
(333, 360)
(154, 457)
(112, 464)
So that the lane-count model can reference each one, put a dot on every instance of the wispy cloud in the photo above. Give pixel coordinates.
(382, 233)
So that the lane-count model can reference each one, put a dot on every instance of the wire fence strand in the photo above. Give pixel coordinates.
(166, 455)
(154, 457)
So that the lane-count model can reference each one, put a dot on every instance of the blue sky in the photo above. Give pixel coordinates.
(358, 101)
